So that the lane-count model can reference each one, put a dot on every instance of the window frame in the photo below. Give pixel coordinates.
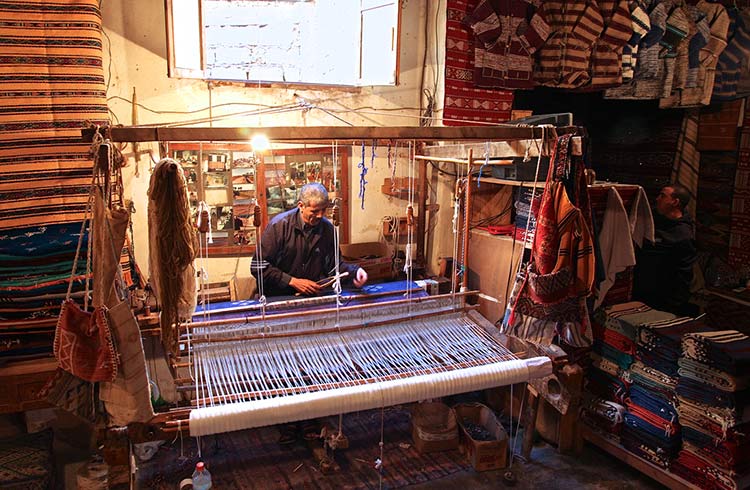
(199, 72)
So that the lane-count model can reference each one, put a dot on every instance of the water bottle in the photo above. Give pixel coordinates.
(201, 477)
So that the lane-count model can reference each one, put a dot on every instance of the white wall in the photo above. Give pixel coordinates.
(135, 59)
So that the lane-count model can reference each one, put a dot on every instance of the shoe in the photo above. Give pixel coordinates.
(310, 430)
(288, 434)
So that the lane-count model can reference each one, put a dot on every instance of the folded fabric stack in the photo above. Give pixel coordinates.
(714, 409)
(36, 264)
(524, 214)
(652, 423)
(604, 415)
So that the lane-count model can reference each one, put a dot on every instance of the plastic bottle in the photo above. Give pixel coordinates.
(201, 477)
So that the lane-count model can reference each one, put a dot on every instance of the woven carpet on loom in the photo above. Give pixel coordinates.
(739, 237)
(51, 83)
(464, 103)
(253, 459)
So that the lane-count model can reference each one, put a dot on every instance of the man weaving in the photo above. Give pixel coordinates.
(298, 248)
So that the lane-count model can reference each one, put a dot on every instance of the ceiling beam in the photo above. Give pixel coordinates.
(318, 133)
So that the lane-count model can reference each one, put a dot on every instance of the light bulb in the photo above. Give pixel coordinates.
(260, 142)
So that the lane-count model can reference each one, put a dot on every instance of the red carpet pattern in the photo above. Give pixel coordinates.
(464, 104)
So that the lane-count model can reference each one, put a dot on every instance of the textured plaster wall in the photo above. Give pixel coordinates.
(136, 60)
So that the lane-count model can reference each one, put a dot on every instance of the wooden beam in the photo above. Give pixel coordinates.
(319, 133)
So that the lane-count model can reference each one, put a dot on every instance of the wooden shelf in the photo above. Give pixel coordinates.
(518, 183)
(659, 474)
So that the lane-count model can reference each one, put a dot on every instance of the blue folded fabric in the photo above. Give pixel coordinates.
(658, 435)
(652, 402)
(711, 395)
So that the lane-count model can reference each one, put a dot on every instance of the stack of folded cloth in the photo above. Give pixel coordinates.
(524, 214)
(714, 407)
(604, 415)
(660, 342)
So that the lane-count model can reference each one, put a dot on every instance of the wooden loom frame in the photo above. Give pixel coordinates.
(341, 134)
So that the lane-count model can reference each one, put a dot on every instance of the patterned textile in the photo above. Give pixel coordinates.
(642, 398)
(714, 203)
(618, 357)
(51, 82)
(563, 61)
(729, 66)
(72, 394)
(739, 238)
(607, 365)
(726, 454)
(701, 472)
(698, 371)
(641, 25)
(607, 386)
(606, 57)
(603, 414)
(83, 343)
(464, 103)
(505, 43)
(706, 394)
(726, 350)
(127, 398)
(700, 91)
(702, 414)
(26, 462)
(687, 160)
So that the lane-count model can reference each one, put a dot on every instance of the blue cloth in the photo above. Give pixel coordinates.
(653, 402)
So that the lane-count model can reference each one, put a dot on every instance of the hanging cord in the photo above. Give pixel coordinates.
(204, 230)
(336, 220)
(456, 207)
(258, 263)
(392, 165)
(362, 174)
(486, 162)
(408, 264)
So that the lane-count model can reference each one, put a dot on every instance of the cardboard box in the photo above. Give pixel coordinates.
(433, 427)
(483, 455)
(373, 257)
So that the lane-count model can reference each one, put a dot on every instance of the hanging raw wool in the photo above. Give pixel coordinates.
(172, 246)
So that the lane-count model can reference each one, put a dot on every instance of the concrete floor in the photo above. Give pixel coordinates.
(549, 470)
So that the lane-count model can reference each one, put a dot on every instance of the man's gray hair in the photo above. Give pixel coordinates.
(313, 194)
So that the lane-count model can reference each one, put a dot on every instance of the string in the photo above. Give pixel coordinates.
(486, 162)
(362, 174)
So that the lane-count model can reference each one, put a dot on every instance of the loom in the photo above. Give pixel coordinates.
(270, 365)
(315, 363)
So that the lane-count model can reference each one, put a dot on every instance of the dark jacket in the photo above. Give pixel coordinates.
(664, 269)
(292, 249)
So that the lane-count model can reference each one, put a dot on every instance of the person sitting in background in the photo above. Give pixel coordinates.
(298, 248)
(664, 270)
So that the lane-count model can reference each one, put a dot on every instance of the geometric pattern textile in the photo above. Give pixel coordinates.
(51, 84)
(464, 104)
(739, 237)
(26, 462)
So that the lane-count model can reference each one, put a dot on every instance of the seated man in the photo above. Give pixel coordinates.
(298, 246)
(664, 269)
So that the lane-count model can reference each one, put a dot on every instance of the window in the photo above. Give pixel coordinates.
(230, 178)
(324, 42)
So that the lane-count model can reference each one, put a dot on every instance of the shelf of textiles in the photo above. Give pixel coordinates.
(672, 391)
(230, 178)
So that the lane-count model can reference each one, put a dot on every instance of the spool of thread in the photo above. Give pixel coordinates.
(336, 215)
(410, 216)
(94, 475)
(256, 216)
(203, 221)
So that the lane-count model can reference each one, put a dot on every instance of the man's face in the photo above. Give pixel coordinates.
(665, 201)
(313, 213)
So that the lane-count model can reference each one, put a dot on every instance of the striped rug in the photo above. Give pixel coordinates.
(51, 84)
(739, 237)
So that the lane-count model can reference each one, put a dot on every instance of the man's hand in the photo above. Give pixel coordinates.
(361, 278)
(305, 286)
